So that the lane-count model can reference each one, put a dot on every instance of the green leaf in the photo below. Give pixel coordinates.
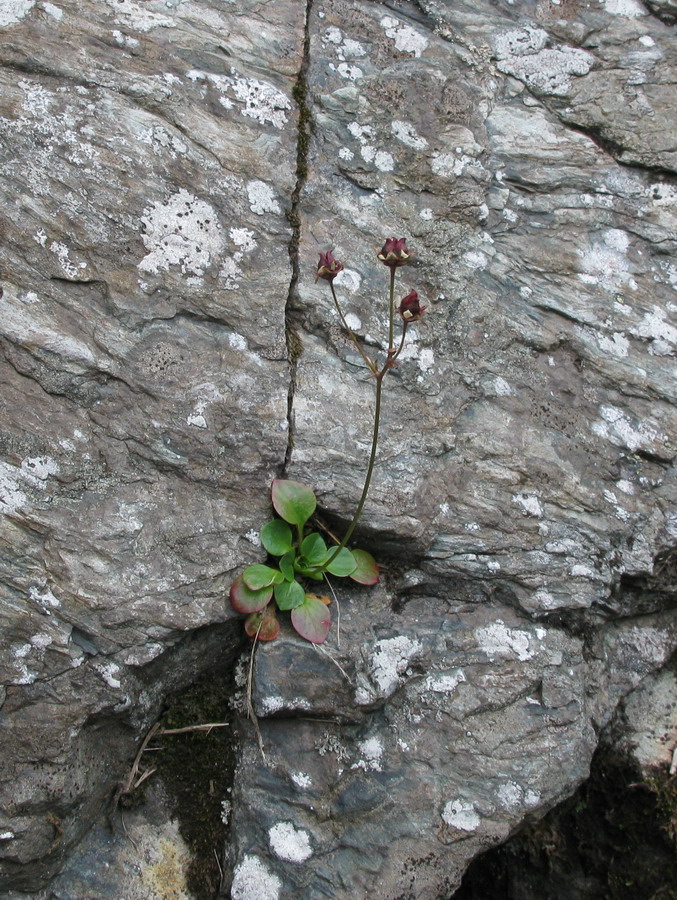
(367, 571)
(289, 594)
(294, 501)
(287, 565)
(262, 625)
(258, 576)
(312, 619)
(309, 573)
(276, 537)
(314, 549)
(245, 600)
(344, 563)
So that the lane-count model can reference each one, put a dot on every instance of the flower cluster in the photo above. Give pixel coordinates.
(393, 254)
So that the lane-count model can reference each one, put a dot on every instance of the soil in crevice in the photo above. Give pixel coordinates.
(614, 839)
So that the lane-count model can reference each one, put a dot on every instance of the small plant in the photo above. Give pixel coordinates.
(305, 557)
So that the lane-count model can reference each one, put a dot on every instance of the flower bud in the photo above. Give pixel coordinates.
(410, 308)
(395, 252)
(328, 267)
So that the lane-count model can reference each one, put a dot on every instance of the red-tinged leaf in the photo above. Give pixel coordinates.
(322, 598)
(262, 625)
(367, 571)
(312, 619)
(294, 501)
(244, 600)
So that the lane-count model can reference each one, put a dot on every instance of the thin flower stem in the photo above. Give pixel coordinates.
(370, 469)
(391, 310)
(347, 327)
(391, 356)
(404, 334)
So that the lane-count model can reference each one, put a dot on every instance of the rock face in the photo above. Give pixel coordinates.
(170, 171)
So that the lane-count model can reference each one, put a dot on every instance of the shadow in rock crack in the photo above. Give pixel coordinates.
(615, 838)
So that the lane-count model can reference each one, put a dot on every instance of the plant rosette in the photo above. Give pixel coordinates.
(261, 589)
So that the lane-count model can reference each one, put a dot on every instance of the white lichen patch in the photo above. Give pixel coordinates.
(34, 472)
(453, 165)
(301, 780)
(181, 231)
(231, 272)
(196, 418)
(137, 17)
(605, 262)
(513, 796)
(161, 141)
(461, 814)
(423, 356)
(662, 334)
(345, 70)
(261, 101)
(445, 682)
(290, 843)
(109, 671)
(406, 134)
(124, 40)
(349, 279)
(54, 11)
(407, 39)
(62, 253)
(496, 639)
(618, 428)
(13, 11)
(371, 754)
(366, 135)
(475, 259)
(529, 504)
(381, 159)
(262, 198)
(615, 344)
(273, 704)
(630, 9)
(11, 495)
(388, 666)
(522, 53)
(253, 881)
(43, 597)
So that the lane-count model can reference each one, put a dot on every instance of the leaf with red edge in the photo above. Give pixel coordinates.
(264, 625)
(367, 571)
(312, 619)
(244, 600)
(294, 501)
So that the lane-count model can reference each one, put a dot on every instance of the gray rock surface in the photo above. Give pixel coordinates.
(157, 169)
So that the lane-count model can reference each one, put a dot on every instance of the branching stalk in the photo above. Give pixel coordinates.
(391, 356)
(370, 363)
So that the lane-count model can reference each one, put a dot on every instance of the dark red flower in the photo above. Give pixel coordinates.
(328, 267)
(395, 252)
(410, 308)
